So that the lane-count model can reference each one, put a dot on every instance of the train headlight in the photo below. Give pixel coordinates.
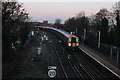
(69, 44)
(77, 44)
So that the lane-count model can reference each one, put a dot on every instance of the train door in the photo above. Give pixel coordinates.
(73, 41)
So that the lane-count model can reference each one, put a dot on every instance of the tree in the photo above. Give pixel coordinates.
(57, 23)
(80, 14)
(70, 25)
(79, 22)
(102, 24)
(14, 18)
(116, 11)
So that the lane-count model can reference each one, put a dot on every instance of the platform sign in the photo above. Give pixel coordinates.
(51, 71)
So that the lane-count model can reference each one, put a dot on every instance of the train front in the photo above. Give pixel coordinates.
(73, 42)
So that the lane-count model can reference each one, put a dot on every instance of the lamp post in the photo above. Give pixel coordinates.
(98, 39)
(84, 34)
(76, 31)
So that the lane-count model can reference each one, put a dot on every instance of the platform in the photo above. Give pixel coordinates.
(101, 59)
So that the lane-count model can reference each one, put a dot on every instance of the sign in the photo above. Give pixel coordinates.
(52, 67)
(52, 72)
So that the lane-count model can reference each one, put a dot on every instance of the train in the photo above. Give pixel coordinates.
(70, 40)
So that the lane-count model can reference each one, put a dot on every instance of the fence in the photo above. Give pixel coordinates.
(111, 52)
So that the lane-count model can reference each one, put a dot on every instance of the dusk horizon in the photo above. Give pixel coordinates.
(40, 11)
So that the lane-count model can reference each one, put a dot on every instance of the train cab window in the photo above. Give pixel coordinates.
(69, 39)
(73, 40)
(77, 39)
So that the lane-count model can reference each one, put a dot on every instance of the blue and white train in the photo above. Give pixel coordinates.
(69, 39)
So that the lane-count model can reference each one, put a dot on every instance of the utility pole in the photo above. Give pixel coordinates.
(84, 34)
(98, 39)
(76, 31)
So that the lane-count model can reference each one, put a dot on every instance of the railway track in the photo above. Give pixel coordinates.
(54, 61)
(78, 70)
(96, 73)
(91, 66)
(88, 67)
(79, 65)
(66, 67)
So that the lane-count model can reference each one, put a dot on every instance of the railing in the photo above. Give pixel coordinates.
(111, 52)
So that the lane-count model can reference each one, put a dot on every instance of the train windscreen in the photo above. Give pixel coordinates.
(73, 40)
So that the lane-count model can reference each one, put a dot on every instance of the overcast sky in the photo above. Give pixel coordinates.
(41, 10)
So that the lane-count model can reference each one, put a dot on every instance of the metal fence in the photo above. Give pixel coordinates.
(111, 52)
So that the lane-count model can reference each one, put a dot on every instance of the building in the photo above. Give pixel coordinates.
(45, 22)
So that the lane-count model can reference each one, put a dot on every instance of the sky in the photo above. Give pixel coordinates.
(50, 10)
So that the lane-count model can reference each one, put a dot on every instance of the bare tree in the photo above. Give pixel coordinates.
(57, 23)
(14, 25)
(80, 14)
(116, 11)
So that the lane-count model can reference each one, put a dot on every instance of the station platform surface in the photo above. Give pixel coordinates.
(113, 67)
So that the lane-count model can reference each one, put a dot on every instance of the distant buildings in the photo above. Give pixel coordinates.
(45, 22)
